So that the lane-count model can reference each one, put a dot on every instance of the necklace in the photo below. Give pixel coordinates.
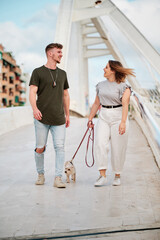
(54, 80)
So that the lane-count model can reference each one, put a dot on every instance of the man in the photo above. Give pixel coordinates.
(51, 111)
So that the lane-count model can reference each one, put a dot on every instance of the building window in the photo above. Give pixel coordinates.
(16, 99)
(17, 88)
(5, 63)
(4, 77)
(10, 92)
(4, 89)
(10, 103)
(11, 67)
(11, 80)
(4, 102)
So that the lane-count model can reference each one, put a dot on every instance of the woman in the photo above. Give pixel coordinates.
(113, 95)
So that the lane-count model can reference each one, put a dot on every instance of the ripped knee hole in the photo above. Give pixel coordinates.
(40, 150)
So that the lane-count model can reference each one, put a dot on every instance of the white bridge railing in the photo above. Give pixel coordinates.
(14, 117)
(148, 124)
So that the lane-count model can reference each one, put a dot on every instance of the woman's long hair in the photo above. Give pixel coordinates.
(120, 72)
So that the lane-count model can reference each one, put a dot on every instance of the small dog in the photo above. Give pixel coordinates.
(70, 171)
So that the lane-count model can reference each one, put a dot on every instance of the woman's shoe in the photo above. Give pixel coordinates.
(101, 181)
(117, 181)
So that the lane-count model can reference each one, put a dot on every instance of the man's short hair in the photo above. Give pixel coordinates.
(53, 45)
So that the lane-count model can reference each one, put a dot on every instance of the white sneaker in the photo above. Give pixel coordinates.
(117, 181)
(40, 179)
(101, 181)
(59, 183)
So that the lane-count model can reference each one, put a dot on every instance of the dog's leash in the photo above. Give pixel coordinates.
(90, 137)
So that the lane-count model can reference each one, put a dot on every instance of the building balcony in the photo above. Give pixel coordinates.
(4, 69)
(17, 70)
(4, 90)
(16, 81)
(17, 88)
(9, 59)
(22, 99)
(11, 94)
(16, 104)
(17, 78)
(4, 94)
(23, 80)
(4, 81)
(22, 89)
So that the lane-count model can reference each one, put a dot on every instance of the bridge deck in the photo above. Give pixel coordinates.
(28, 211)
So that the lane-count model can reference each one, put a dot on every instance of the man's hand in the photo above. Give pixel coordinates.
(67, 121)
(37, 114)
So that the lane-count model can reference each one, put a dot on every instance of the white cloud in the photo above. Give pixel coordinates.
(13, 38)
(45, 16)
(145, 15)
(28, 43)
(30, 60)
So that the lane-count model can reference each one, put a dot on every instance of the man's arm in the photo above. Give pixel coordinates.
(32, 98)
(66, 102)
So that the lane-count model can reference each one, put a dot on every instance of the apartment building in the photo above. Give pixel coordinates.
(12, 85)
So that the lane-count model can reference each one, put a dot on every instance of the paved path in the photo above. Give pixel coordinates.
(29, 211)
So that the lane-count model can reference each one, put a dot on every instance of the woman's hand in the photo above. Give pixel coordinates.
(90, 124)
(122, 128)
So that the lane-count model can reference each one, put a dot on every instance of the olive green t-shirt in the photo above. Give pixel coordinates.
(49, 98)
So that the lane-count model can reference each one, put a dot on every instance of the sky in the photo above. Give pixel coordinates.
(27, 26)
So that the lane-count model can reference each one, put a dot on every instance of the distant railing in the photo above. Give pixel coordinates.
(14, 117)
(147, 122)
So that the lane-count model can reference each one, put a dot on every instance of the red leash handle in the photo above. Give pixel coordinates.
(90, 137)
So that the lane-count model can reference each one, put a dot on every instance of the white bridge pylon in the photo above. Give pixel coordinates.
(78, 23)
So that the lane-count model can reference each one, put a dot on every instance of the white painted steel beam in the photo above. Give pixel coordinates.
(82, 14)
(115, 52)
(92, 41)
(85, 3)
(63, 28)
(134, 36)
(88, 30)
(77, 20)
(90, 53)
(87, 21)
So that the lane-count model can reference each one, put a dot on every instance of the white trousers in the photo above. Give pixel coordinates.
(107, 129)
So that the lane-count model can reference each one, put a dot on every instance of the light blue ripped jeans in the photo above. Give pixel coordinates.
(58, 136)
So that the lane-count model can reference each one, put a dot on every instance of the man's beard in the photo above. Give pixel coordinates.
(57, 61)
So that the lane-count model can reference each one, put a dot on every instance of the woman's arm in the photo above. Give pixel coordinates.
(94, 110)
(125, 103)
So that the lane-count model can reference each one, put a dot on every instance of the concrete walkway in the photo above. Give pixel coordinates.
(119, 213)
